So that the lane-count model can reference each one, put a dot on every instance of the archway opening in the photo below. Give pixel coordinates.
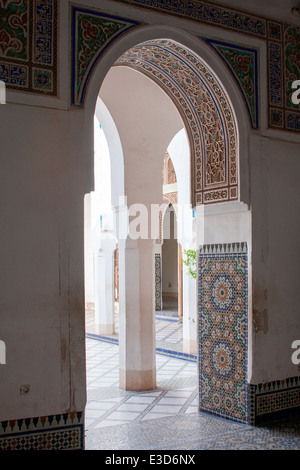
(183, 84)
(170, 264)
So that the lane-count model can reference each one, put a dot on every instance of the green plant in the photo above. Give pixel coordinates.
(191, 262)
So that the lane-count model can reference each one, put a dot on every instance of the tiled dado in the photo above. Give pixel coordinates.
(55, 432)
(274, 399)
(223, 335)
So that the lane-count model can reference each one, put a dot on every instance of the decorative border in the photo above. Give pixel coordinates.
(276, 34)
(54, 432)
(274, 399)
(205, 109)
(163, 351)
(157, 282)
(28, 56)
(212, 14)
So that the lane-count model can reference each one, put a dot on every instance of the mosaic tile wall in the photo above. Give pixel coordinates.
(223, 331)
(28, 37)
(157, 282)
(55, 432)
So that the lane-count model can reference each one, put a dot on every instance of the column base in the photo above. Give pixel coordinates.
(141, 380)
(190, 347)
(105, 329)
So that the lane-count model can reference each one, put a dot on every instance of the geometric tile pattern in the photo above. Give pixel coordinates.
(55, 432)
(277, 401)
(196, 431)
(275, 398)
(242, 62)
(28, 43)
(205, 109)
(166, 418)
(92, 33)
(157, 282)
(223, 330)
(109, 406)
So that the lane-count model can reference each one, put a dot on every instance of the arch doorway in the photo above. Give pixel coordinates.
(185, 93)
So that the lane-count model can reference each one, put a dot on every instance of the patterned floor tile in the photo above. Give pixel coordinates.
(166, 418)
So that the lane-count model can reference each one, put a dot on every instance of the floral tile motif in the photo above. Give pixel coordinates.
(28, 41)
(242, 62)
(92, 33)
(223, 312)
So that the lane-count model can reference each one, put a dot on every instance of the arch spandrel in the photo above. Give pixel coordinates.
(205, 109)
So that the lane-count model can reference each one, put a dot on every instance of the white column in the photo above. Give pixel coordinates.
(187, 232)
(137, 319)
(190, 319)
(104, 286)
(88, 252)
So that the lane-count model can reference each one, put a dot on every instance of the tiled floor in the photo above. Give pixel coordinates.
(165, 418)
(168, 333)
(109, 406)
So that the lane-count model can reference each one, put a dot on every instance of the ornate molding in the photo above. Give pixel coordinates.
(205, 109)
(282, 42)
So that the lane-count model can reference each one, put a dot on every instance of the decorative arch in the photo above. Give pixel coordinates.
(169, 174)
(205, 109)
(195, 89)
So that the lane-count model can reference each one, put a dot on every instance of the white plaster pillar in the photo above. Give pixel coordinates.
(187, 237)
(88, 252)
(137, 319)
(104, 286)
(190, 322)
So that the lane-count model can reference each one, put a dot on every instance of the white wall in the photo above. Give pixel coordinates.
(44, 177)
